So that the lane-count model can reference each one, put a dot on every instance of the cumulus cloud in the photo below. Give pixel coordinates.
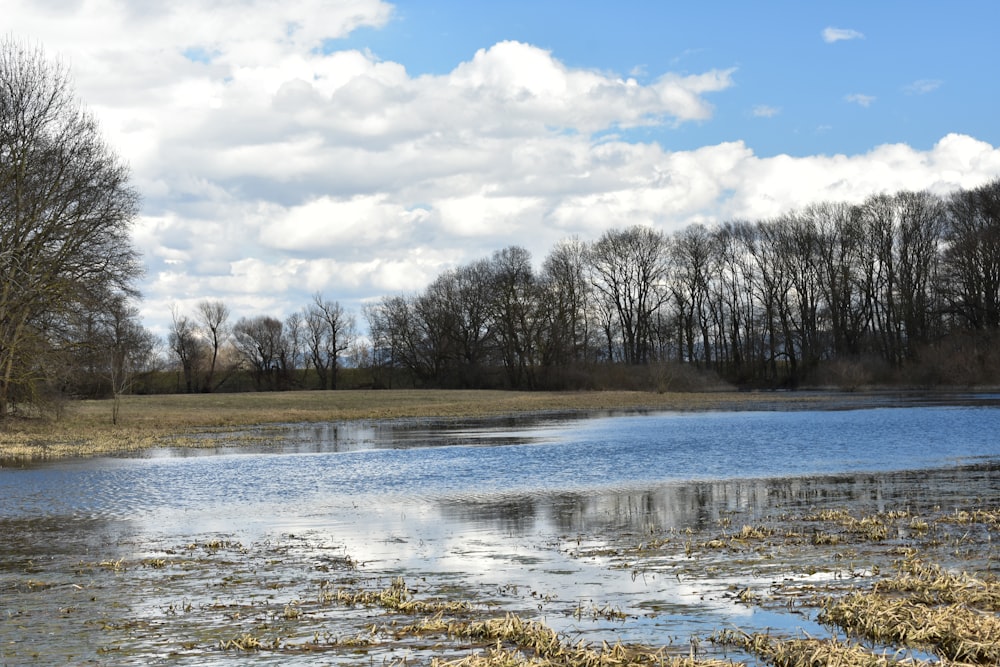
(332, 226)
(274, 164)
(831, 35)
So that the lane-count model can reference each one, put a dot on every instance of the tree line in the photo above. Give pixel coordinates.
(902, 287)
(306, 349)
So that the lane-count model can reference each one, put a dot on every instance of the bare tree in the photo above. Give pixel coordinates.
(629, 272)
(839, 239)
(383, 360)
(329, 332)
(66, 207)
(972, 256)
(514, 311)
(129, 347)
(920, 230)
(467, 293)
(290, 352)
(258, 341)
(565, 305)
(692, 258)
(186, 346)
(213, 320)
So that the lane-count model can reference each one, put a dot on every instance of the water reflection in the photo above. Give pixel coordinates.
(362, 465)
(532, 517)
(701, 505)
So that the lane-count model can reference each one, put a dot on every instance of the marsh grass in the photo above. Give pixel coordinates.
(273, 600)
(507, 640)
(85, 428)
(516, 641)
(954, 631)
(396, 597)
(503, 657)
(873, 576)
(808, 652)
(929, 583)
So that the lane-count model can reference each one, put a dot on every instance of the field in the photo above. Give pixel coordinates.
(84, 428)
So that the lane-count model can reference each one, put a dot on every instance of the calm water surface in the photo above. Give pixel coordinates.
(506, 504)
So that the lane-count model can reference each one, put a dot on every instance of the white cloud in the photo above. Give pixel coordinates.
(922, 86)
(337, 227)
(272, 168)
(765, 111)
(860, 99)
(831, 35)
(613, 184)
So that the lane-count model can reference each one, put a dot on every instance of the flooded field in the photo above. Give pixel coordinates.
(603, 540)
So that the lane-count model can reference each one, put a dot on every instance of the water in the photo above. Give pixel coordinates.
(534, 513)
(365, 464)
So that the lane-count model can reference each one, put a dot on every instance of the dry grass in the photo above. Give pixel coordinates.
(879, 600)
(521, 642)
(396, 597)
(512, 639)
(146, 421)
(929, 583)
(954, 631)
(808, 652)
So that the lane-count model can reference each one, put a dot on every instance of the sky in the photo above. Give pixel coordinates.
(360, 148)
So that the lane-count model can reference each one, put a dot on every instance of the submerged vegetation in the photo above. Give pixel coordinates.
(923, 590)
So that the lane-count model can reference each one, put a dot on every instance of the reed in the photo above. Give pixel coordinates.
(808, 652)
(243, 642)
(396, 597)
(498, 656)
(930, 583)
(953, 631)
(517, 641)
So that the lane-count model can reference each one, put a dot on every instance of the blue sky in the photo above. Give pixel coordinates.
(921, 62)
(358, 148)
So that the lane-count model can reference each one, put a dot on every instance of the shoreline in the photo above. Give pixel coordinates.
(85, 429)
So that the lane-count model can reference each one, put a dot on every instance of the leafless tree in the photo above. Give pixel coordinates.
(258, 341)
(213, 321)
(66, 207)
(514, 310)
(329, 332)
(565, 306)
(129, 348)
(400, 337)
(692, 263)
(972, 256)
(732, 296)
(839, 239)
(629, 273)
(186, 345)
(920, 231)
(291, 352)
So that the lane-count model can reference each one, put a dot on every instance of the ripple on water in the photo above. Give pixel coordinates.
(542, 517)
